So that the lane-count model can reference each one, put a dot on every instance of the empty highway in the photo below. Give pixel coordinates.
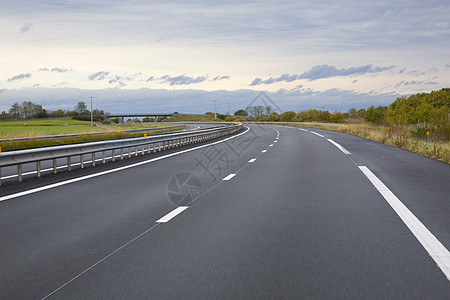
(273, 212)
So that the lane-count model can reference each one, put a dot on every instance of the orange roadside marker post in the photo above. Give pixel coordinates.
(428, 140)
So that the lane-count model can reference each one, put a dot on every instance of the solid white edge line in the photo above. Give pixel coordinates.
(229, 177)
(252, 160)
(434, 247)
(172, 214)
(318, 134)
(47, 187)
(339, 146)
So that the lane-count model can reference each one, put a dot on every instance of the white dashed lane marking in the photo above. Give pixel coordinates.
(339, 146)
(172, 214)
(229, 177)
(316, 133)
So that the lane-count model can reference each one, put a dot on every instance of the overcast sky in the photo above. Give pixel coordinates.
(182, 55)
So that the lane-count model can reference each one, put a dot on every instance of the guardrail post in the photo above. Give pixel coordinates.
(19, 172)
(129, 152)
(0, 176)
(69, 163)
(121, 154)
(54, 166)
(113, 155)
(93, 159)
(104, 157)
(82, 161)
(136, 151)
(38, 168)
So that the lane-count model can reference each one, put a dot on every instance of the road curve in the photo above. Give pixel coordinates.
(275, 212)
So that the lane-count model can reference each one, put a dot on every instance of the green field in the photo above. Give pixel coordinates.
(47, 127)
(36, 128)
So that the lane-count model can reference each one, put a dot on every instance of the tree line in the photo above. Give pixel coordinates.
(423, 112)
(424, 108)
(266, 113)
(29, 110)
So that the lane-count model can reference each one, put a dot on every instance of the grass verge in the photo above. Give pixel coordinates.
(399, 136)
(16, 145)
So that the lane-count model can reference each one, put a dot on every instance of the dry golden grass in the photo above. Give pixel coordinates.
(399, 136)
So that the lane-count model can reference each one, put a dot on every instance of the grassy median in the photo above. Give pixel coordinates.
(37, 128)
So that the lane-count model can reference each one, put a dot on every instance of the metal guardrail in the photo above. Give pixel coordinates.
(143, 145)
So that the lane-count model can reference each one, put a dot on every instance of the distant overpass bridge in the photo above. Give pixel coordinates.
(122, 116)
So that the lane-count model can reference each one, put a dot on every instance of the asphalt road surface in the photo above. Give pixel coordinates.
(274, 212)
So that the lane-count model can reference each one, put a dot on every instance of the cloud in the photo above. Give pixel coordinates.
(217, 78)
(182, 79)
(415, 82)
(118, 80)
(59, 84)
(284, 77)
(26, 27)
(19, 77)
(322, 71)
(58, 70)
(98, 76)
(256, 81)
(326, 71)
(115, 79)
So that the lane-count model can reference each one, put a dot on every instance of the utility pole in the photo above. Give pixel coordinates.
(92, 116)
(215, 114)
(228, 108)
